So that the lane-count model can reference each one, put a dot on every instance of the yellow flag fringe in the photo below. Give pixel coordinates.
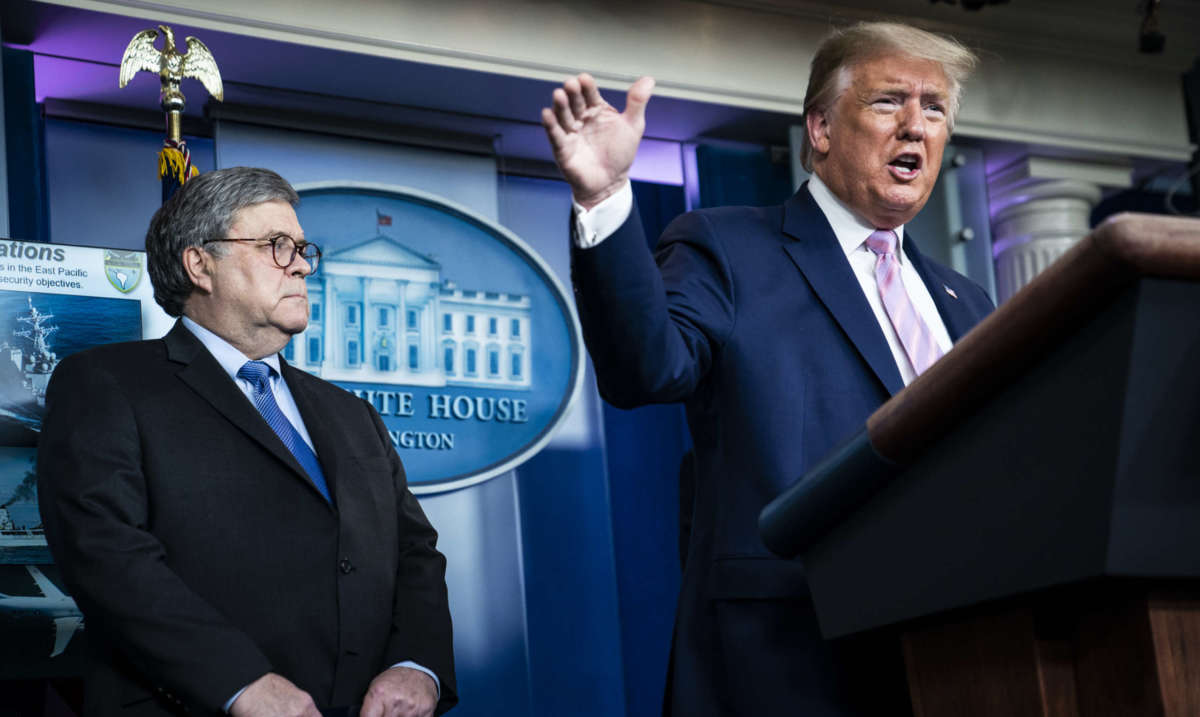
(172, 163)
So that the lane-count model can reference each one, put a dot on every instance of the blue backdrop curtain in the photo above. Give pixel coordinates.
(732, 176)
(23, 135)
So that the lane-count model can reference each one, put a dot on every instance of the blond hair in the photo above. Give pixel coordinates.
(847, 47)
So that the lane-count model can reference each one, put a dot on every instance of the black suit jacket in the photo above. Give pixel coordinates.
(202, 556)
(754, 319)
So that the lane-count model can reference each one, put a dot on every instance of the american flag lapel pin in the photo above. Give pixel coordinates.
(950, 291)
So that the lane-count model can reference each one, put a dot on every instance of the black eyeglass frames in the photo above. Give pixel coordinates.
(283, 249)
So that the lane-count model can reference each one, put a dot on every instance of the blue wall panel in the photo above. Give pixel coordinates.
(476, 528)
(304, 157)
(103, 181)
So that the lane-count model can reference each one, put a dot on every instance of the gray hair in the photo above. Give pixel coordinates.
(203, 208)
(845, 48)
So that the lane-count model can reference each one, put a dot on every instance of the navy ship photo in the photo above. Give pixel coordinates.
(18, 536)
(22, 538)
(25, 367)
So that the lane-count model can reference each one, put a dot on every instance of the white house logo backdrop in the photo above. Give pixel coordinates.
(448, 324)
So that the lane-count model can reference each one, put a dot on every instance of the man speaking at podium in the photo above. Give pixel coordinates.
(781, 329)
(238, 534)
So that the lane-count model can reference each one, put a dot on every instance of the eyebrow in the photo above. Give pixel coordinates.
(902, 87)
(896, 88)
(293, 237)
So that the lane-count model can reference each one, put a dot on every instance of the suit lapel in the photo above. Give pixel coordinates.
(955, 314)
(206, 377)
(819, 257)
(326, 445)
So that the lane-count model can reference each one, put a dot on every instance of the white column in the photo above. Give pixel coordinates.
(1040, 207)
(363, 308)
(401, 337)
(333, 333)
(429, 330)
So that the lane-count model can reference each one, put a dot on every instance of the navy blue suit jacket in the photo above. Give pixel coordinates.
(754, 319)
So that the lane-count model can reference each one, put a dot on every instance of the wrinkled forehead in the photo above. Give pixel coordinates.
(898, 72)
(266, 219)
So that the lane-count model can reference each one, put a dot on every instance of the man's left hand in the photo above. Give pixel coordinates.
(400, 692)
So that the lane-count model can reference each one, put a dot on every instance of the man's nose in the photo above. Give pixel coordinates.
(911, 123)
(300, 266)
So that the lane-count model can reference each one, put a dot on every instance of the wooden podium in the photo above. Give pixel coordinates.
(1028, 510)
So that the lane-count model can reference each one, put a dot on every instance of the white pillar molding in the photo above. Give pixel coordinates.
(1040, 207)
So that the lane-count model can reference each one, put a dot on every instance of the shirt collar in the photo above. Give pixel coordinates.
(850, 229)
(224, 352)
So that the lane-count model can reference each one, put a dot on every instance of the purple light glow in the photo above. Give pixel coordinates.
(73, 80)
(78, 53)
(658, 161)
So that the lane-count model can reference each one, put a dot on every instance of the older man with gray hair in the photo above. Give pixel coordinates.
(238, 534)
(781, 329)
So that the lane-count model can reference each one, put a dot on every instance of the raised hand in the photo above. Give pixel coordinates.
(594, 145)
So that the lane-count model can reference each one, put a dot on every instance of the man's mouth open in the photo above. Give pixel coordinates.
(905, 166)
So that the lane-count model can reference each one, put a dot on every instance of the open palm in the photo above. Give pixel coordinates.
(594, 145)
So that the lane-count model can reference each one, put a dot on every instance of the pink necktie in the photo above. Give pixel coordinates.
(915, 336)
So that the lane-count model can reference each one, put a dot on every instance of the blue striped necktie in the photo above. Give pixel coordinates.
(258, 373)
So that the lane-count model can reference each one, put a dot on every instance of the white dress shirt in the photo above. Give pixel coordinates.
(851, 230)
(231, 361)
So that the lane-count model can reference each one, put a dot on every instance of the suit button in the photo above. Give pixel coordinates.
(345, 566)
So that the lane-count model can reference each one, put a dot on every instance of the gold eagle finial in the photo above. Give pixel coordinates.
(171, 66)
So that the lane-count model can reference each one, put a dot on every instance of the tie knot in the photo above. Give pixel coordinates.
(882, 241)
(256, 372)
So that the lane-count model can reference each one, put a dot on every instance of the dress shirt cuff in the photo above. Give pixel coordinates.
(414, 666)
(229, 705)
(603, 220)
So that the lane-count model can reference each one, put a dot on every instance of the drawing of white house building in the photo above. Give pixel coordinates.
(382, 313)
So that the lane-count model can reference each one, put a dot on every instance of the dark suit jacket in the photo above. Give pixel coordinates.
(754, 319)
(202, 556)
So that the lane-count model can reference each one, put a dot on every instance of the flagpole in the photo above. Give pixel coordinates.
(174, 160)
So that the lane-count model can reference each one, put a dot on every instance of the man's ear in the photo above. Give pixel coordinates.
(816, 123)
(197, 263)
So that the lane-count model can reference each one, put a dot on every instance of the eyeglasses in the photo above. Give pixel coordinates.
(284, 249)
